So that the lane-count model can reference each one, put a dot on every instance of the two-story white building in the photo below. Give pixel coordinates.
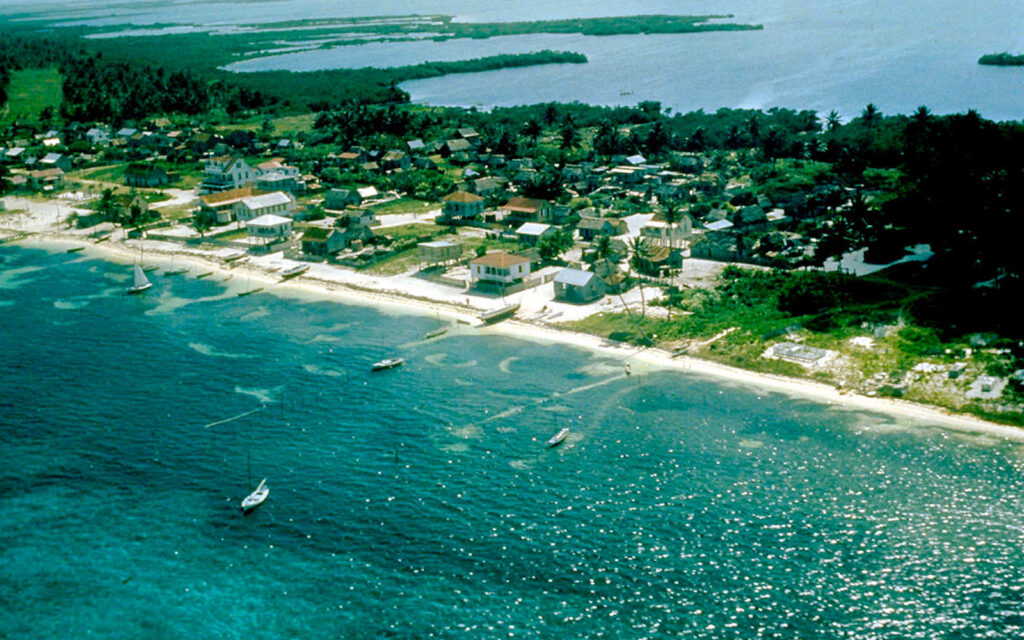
(269, 228)
(224, 172)
(660, 234)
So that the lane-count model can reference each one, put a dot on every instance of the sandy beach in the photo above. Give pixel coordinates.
(536, 319)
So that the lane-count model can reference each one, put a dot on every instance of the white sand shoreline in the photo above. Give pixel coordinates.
(649, 359)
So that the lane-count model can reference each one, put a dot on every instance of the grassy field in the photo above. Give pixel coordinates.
(30, 91)
(283, 127)
(405, 205)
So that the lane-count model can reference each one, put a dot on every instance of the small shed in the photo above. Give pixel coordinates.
(580, 287)
(322, 241)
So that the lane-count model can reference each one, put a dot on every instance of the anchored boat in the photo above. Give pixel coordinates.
(388, 363)
(141, 282)
(559, 437)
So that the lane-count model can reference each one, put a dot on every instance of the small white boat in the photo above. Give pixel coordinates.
(387, 363)
(257, 497)
(559, 437)
(234, 255)
(141, 281)
(436, 333)
(297, 270)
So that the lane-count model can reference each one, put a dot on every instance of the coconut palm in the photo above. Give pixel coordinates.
(640, 250)
(833, 121)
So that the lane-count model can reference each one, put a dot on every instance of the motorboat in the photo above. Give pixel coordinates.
(298, 269)
(387, 363)
(559, 437)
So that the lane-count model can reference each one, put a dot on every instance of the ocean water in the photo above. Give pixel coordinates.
(421, 502)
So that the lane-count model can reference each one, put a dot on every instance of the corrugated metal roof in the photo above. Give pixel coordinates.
(574, 277)
(269, 220)
(533, 228)
(267, 200)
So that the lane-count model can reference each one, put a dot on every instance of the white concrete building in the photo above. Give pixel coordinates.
(499, 267)
(269, 228)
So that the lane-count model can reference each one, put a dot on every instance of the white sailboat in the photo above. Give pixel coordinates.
(141, 281)
(257, 497)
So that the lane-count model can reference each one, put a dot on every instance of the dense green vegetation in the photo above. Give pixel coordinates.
(31, 92)
(320, 90)
(1002, 60)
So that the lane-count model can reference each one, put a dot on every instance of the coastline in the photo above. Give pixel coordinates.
(259, 272)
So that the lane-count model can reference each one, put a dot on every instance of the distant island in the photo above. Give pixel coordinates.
(1003, 59)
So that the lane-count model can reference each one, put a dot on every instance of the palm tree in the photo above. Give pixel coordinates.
(640, 249)
(570, 136)
(532, 130)
(833, 121)
(922, 115)
(870, 115)
(106, 206)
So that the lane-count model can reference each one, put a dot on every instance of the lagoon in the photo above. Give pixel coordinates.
(833, 54)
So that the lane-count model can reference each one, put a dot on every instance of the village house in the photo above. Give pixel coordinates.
(225, 205)
(98, 137)
(322, 242)
(460, 206)
(438, 252)
(457, 145)
(531, 233)
(580, 287)
(658, 233)
(395, 160)
(276, 203)
(145, 175)
(490, 186)
(57, 160)
(356, 218)
(469, 134)
(268, 229)
(519, 210)
(46, 179)
(338, 199)
(224, 172)
(13, 154)
(366, 193)
(131, 206)
(590, 227)
(290, 181)
(660, 261)
(499, 267)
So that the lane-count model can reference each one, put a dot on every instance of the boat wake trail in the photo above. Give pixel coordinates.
(511, 411)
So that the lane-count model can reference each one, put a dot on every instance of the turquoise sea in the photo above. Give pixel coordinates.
(421, 502)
